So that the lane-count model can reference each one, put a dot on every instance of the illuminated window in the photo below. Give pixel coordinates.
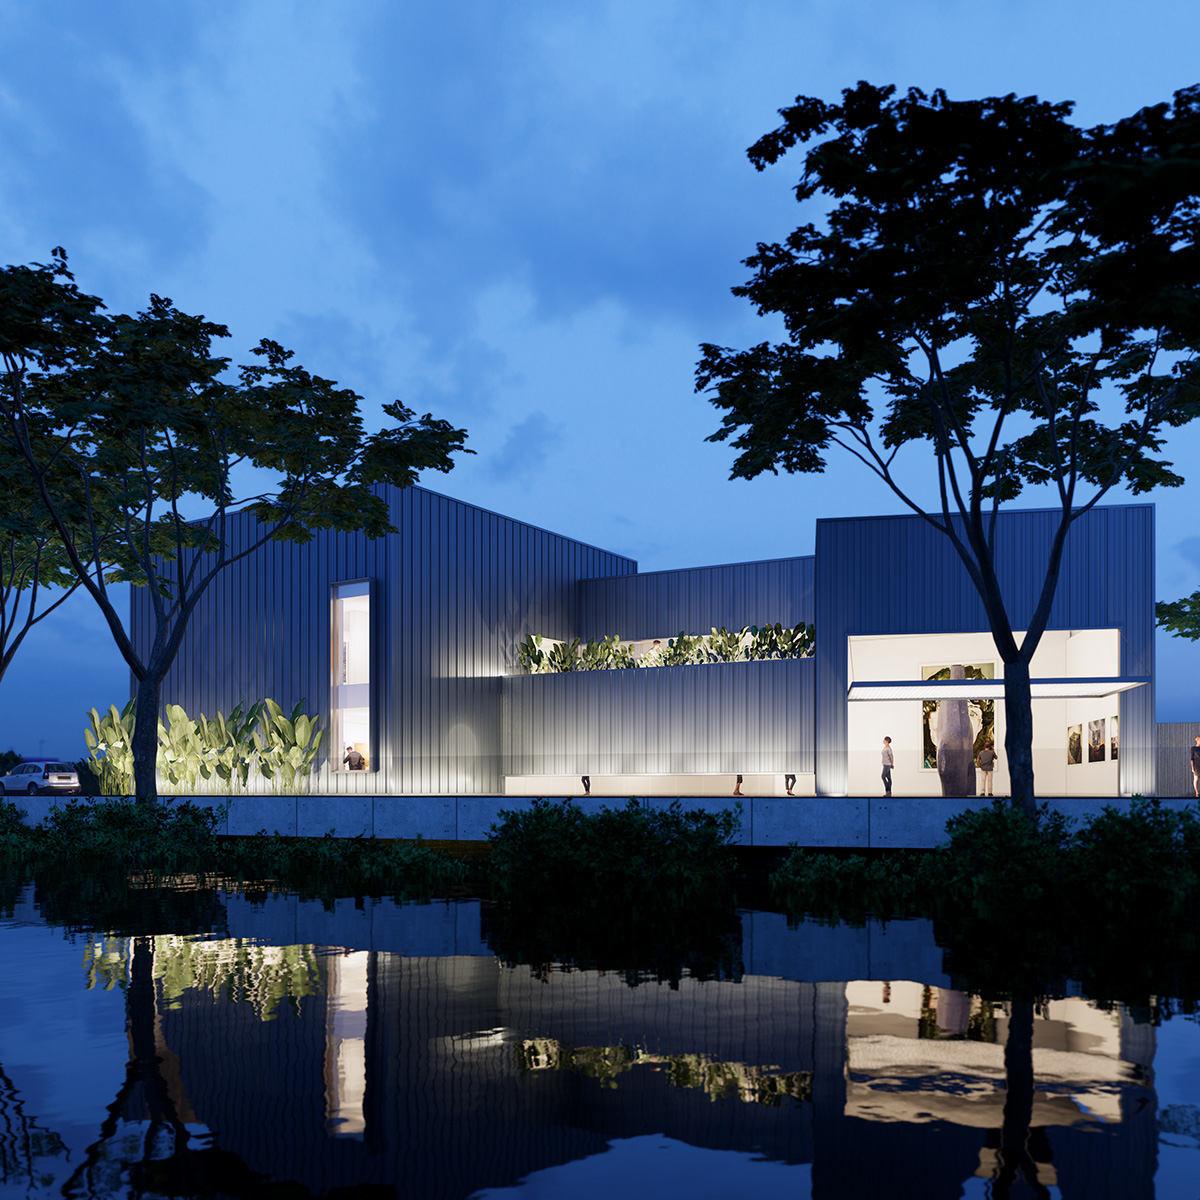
(351, 669)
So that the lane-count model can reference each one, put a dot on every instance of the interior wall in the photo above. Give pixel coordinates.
(1060, 654)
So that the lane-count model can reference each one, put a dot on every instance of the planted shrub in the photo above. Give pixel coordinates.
(16, 838)
(718, 646)
(1144, 862)
(123, 836)
(329, 867)
(201, 756)
(847, 888)
(647, 892)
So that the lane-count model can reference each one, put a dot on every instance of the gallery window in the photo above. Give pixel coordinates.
(351, 748)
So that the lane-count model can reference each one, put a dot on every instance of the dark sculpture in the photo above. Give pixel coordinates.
(956, 743)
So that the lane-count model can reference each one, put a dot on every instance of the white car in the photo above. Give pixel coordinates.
(36, 778)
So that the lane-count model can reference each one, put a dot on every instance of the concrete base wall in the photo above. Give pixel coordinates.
(849, 822)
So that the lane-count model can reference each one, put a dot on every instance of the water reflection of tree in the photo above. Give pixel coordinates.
(145, 1146)
(1014, 1157)
(23, 1145)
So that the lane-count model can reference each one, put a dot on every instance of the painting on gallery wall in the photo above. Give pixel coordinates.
(1096, 741)
(1114, 738)
(1074, 745)
(982, 712)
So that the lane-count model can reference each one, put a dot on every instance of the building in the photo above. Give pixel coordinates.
(407, 649)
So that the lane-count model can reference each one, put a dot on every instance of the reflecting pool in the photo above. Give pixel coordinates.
(372, 1048)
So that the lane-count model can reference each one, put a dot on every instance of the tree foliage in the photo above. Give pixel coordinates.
(143, 444)
(1015, 295)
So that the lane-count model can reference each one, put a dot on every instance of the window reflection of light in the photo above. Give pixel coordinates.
(346, 1045)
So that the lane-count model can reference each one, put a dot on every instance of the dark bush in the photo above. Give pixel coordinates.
(646, 892)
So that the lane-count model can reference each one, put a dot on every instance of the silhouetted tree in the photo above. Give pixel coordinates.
(1017, 293)
(138, 442)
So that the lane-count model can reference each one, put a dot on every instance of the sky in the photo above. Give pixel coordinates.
(524, 218)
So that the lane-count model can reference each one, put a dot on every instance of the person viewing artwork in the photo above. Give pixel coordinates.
(889, 761)
(986, 761)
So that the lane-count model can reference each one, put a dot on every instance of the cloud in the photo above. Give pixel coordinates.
(1189, 550)
(536, 143)
(525, 449)
(79, 165)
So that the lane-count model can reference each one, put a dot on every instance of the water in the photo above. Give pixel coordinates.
(382, 1050)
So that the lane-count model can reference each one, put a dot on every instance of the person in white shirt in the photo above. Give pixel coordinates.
(889, 761)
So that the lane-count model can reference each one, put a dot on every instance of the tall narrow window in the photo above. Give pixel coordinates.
(351, 645)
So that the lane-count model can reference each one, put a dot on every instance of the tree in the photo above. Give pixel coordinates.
(139, 443)
(1181, 618)
(31, 559)
(1019, 294)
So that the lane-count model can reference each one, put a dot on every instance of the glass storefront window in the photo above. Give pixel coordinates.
(351, 670)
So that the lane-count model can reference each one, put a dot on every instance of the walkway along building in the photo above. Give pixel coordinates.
(406, 647)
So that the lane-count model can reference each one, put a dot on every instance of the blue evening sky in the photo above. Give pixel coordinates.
(522, 217)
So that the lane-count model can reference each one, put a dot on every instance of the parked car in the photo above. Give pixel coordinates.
(42, 777)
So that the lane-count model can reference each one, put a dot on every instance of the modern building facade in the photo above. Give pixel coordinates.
(406, 647)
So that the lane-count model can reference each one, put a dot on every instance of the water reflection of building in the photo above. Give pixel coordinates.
(453, 1074)
(920, 1055)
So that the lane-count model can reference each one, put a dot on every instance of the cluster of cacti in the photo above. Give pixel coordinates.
(722, 645)
(208, 756)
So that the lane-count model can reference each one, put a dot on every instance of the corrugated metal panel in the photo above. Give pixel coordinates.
(754, 717)
(665, 603)
(458, 587)
(1175, 740)
(897, 575)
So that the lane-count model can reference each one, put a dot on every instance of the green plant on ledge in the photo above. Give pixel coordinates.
(750, 643)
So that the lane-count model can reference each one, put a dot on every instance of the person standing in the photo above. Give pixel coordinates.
(889, 761)
(1196, 768)
(987, 764)
(789, 782)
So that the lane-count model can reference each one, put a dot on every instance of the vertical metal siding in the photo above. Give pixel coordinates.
(897, 575)
(1174, 740)
(665, 603)
(754, 717)
(456, 588)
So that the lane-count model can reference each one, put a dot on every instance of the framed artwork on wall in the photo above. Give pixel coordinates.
(1096, 741)
(1114, 738)
(982, 712)
(1074, 745)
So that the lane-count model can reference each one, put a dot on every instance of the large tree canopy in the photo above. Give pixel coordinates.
(1017, 295)
(140, 444)
(36, 575)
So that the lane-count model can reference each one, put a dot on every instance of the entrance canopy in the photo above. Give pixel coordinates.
(1071, 688)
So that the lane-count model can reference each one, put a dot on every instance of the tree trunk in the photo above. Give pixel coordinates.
(145, 741)
(1018, 737)
(1015, 1160)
